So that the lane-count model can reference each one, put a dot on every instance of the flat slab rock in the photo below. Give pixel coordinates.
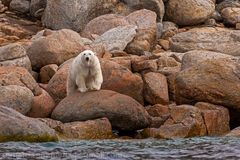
(91, 129)
(207, 38)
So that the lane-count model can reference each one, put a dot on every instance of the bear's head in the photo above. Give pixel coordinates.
(88, 57)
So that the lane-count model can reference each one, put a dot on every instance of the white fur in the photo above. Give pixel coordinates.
(84, 75)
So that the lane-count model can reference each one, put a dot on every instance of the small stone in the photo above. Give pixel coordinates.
(147, 65)
(165, 44)
(47, 72)
(238, 26)
(211, 22)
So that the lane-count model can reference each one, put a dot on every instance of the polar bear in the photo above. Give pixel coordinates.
(85, 73)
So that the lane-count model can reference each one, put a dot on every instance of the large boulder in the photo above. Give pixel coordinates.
(186, 116)
(216, 118)
(143, 41)
(154, 5)
(146, 32)
(42, 106)
(155, 88)
(19, 76)
(121, 80)
(16, 127)
(231, 15)
(115, 77)
(189, 12)
(207, 38)
(74, 14)
(103, 23)
(87, 130)
(14, 55)
(193, 58)
(227, 3)
(214, 81)
(22, 6)
(55, 47)
(16, 97)
(56, 87)
(184, 121)
(123, 112)
(117, 38)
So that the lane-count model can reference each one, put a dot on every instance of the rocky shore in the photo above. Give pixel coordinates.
(171, 69)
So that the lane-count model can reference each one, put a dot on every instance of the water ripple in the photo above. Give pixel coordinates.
(181, 149)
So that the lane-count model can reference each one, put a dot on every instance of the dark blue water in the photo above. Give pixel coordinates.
(195, 148)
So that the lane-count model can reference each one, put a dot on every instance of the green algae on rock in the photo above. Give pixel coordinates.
(16, 127)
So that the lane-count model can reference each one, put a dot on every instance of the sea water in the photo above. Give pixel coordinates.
(148, 149)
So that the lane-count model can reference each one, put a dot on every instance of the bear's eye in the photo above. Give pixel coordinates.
(84, 54)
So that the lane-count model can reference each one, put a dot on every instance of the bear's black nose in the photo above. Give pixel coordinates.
(87, 58)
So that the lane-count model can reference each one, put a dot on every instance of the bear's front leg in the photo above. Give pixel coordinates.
(80, 81)
(98, 80)
(71, 86)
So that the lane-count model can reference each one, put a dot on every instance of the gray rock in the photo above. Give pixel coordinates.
(37, 7)
(159, 30)
(16, 97)
(227, 3)
(19, 62)
(14, 55)
(154, 5)
(169, 26)
(207, 38)
(16, 127)
(12, 51)
(74, 14)
(169, 29)
(117, 38)
(217, 16)
(22, 6)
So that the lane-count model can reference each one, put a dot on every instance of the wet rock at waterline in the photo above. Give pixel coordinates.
(87, 130)
(16, 127)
